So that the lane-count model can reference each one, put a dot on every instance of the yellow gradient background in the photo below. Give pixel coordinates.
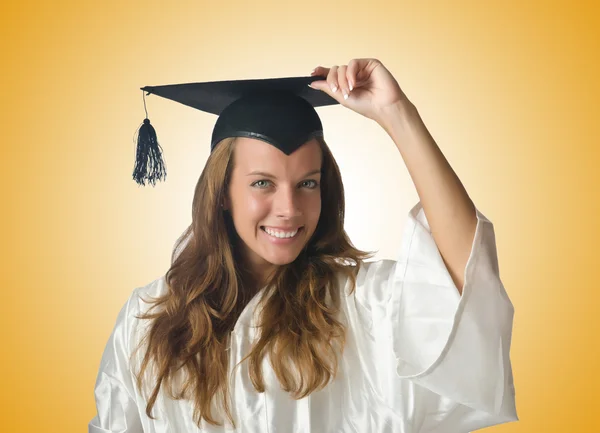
(509, 90)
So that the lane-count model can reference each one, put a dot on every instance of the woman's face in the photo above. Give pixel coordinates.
(274, 200)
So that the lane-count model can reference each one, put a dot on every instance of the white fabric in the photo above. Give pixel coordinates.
(419, 357)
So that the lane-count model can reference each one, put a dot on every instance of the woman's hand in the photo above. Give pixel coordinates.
(370, 88)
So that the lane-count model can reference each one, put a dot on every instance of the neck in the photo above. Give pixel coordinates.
(261, 274)
(256, 275)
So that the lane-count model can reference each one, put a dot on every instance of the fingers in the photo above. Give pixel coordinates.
(342, 80)
(339, 78)
(332, 78)
(351, 73)
(336, 79)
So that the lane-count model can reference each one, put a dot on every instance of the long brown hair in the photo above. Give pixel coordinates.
(208, 288)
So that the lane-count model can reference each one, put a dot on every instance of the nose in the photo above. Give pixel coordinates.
(287, 203)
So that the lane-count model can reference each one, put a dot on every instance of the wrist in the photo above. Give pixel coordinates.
(402, 115)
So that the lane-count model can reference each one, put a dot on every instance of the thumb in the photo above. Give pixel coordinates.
(323, 86)
(319, 85)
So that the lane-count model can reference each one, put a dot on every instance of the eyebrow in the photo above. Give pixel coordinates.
(265, 174)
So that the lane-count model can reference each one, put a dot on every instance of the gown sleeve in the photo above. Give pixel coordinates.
(455, 347)
(117, 411)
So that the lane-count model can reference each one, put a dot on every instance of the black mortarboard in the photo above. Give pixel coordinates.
(280, 111)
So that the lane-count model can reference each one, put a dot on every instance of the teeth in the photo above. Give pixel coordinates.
(281, 234)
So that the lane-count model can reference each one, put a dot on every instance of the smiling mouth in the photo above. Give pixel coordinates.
(280, 234)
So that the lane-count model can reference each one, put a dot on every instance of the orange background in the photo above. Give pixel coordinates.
(508, 89)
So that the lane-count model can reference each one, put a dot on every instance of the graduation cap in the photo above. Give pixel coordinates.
(279, 111)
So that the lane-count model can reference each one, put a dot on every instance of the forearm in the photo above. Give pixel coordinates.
(449, 210)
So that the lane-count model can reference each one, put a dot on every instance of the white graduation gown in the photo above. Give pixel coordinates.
(419, 357)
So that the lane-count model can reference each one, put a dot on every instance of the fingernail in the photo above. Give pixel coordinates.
(345, 95)
(333, 88)
(350, 84)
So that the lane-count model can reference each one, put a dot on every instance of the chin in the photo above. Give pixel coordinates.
(281, 259)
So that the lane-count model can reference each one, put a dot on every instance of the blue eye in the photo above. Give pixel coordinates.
(310, 184)
(260, 183)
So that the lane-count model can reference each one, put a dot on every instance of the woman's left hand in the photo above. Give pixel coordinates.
(372, 90)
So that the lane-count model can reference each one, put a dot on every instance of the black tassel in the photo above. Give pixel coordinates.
(149, 165)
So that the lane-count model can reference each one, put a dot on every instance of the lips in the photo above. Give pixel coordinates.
(282, 233)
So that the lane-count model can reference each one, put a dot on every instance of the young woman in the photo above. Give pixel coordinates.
(269, 320)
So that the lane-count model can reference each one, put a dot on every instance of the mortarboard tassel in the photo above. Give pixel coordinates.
(149, 165)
